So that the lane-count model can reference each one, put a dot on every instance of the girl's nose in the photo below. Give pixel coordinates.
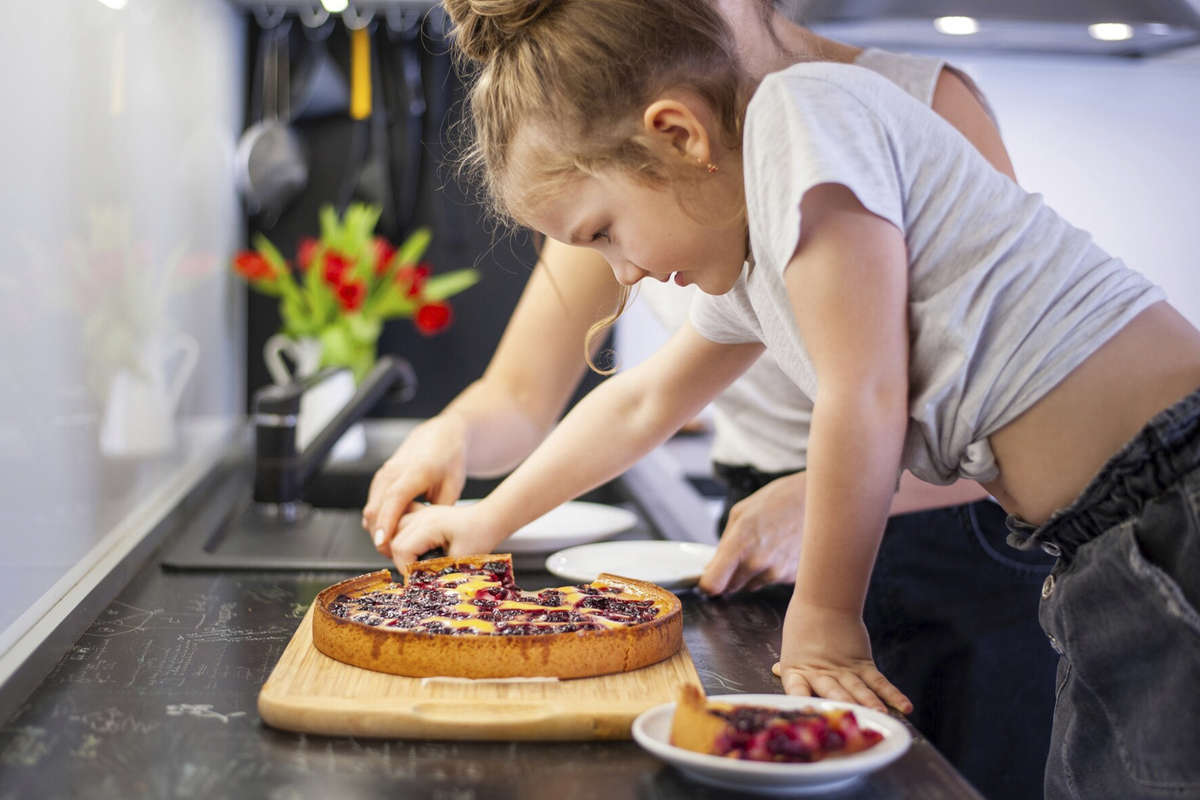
(626, 273)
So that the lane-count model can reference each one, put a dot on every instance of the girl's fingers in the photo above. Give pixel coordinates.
(397, 503)
(413, 541)
(775, 669)
(830, 686)
(719, 571)
(888, 692)
(871, 689)
(860, 692)
(796, 683)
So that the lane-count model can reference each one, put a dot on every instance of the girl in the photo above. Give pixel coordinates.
(941, 318)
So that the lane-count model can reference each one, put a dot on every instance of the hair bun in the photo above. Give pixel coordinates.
(482, 27)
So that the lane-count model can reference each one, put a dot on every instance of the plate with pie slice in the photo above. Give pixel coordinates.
(669, 564)
(755, 733)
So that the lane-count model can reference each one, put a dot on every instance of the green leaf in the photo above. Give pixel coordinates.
(363, 328)
(414, 247)
(394, 303)
(439, 287)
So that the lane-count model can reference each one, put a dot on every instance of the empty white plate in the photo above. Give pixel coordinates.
(570, 524)
(652, 730)
(672, 565)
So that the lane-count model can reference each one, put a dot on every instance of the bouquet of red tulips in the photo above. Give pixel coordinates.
(348, 282)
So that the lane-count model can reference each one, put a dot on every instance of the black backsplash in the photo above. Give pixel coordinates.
(462, 236)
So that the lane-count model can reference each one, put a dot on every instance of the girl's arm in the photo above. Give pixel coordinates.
(848, 287)
(501, 417)
(615, 425)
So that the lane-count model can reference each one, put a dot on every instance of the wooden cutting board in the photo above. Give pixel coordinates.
(309, 692)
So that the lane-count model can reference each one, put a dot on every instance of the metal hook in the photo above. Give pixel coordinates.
(312, 16)
(356, 19)
(403, 20)
(269, 16)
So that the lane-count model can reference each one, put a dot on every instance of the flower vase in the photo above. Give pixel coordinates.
(320, 403)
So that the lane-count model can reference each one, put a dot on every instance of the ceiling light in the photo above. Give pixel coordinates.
(956, 26)
(1158, 28)
(335, 6)
(1110, 31)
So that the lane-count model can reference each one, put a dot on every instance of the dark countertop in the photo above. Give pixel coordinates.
(158, 699)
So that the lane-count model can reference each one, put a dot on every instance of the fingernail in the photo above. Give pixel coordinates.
(379, 537)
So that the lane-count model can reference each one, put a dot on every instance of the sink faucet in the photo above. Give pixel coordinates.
(280, 468)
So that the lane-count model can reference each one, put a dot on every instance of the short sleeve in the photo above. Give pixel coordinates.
(726, 318)
(807, 127)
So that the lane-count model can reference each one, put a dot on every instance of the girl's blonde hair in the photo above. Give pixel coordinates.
(582, 71)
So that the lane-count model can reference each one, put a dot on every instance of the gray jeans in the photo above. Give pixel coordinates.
(1120, 607)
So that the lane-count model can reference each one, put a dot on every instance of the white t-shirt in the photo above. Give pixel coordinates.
(762, 419)
(1005, 297)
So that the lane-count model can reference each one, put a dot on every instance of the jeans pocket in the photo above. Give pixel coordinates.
(1134, 667)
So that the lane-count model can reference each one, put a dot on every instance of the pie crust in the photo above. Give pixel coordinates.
(473, 648)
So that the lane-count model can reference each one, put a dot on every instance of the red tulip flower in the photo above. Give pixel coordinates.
(414, 278)
(433, 317)
(335, 268)
(384, 251)
(307, 251)
(351, 295)
(253, 266)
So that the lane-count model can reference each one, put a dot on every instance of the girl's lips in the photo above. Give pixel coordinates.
(679, 279)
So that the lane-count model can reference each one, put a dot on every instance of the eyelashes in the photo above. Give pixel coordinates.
(601, 235)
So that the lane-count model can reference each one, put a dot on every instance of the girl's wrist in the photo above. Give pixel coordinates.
(816, 608)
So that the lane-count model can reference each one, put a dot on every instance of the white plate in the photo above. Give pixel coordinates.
(652, 730)
(570, 524)
(672, 565)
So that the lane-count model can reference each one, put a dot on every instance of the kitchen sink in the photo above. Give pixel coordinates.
(235, 533)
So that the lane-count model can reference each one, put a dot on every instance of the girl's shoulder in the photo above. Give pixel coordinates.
(822, 78)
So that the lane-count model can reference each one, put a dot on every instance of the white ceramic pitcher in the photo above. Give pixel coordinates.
(139, 415)
(320, 403)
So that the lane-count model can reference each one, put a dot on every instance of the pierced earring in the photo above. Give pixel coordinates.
(711, 167)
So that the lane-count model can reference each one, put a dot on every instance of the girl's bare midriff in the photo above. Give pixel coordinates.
(1053, 450)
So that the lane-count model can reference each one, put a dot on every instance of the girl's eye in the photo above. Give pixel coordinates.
(601, 234)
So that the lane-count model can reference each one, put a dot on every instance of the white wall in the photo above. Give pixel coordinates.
(117, 220)
(1114, 145)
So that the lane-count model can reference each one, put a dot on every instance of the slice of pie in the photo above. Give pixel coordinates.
(760, 733)
(466, 617)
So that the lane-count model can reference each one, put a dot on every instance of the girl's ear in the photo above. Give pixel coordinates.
(676, 126)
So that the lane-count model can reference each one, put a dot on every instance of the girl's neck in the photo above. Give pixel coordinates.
(799, 44)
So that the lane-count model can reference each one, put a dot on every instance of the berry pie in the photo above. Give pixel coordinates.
(760, 733)
(465, 617)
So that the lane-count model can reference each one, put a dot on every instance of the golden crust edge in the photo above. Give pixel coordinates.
(563, 655)
(694, 727)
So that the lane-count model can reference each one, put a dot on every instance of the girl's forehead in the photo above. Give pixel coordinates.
(536, 170)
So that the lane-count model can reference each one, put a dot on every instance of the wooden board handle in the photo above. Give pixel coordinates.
(482, 715)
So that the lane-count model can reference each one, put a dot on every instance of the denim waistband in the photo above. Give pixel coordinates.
(1165, 450)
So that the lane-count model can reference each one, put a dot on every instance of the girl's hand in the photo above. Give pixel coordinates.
(430, 462)
(761, 542)
(826, 653)
(458, 530)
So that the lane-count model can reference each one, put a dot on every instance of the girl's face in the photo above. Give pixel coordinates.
(645, 232)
